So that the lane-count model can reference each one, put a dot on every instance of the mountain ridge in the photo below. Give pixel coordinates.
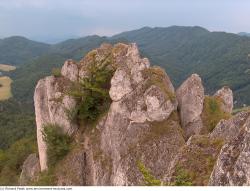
(220, 58)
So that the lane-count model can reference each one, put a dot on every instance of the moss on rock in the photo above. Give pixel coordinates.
(158, 77)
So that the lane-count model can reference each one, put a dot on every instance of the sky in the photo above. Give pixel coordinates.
(55, 20)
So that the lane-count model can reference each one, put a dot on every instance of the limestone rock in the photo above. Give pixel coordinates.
(70, 70)
(190, 96)
(226, 95)
(142, 124)
(30, 170)
(129, 73)
(50, 103)
(228, 129)
(232, 167)
(158, 108)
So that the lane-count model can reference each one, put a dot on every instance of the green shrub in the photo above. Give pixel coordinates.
(58, 143)
(148, 178)
(182, 178)
(56, 72)
(46, 178)
(91, 93)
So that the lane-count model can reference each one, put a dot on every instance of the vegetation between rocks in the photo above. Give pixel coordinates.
(148, 178)
(58, 143)
(212, 112)
(157, 76)
(92, 93)
(56, 72)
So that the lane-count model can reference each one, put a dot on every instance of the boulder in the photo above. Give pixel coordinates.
(30, 170)
(190, 96)
(226, 96)
(232, 167)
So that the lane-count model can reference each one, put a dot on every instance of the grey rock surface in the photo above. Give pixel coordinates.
(233, 167)
(190, 96)
(226, 95)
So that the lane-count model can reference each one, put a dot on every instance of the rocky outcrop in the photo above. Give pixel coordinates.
(228, 129)
(190, 96)
(142, 123)
(70, 70)
(50, 108)
(30, 170)
(232, 167)
(226, 96)
(147, 122)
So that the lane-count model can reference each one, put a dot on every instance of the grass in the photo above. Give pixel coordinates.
(237, 110)
(158, 77)
(6, 68)
(5, 88)
(56, 72)
(197, 160)
(212, 112)
(148, 178)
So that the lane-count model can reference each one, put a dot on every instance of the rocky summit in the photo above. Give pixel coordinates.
(112, 119)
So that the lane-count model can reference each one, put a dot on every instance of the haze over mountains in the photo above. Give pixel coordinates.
(219, 58)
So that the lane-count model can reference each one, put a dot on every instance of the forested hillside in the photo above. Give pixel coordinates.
(19, 50)
(219, 58)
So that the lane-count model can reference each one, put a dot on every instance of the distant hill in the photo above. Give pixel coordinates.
(219, 58)
(244, 34)
(19, 50)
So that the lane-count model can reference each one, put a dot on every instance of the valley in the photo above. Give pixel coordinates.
(5, 82)
(5, 88)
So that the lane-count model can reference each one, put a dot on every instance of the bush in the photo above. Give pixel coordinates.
(149, 179)
(58, 143)
(56, 72)
(182, 178)
(91, 94)
(46, 178)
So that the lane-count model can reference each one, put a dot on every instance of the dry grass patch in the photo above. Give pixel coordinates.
(6, 68)
(5, 88)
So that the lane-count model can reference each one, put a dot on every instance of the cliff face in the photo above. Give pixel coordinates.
(141, 126)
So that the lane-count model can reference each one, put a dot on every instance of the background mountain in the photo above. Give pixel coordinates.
(244, 34)
(219, 58)
(18, 50)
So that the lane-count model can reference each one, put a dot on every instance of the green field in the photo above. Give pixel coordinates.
(5, 89)
(6, 68)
